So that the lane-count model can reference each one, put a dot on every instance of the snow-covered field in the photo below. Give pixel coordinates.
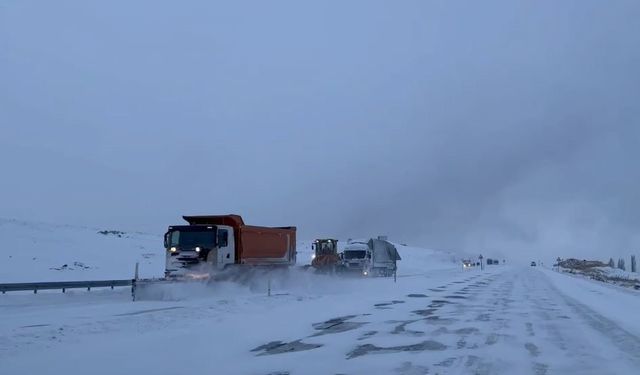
(436, 319)
(33, 251)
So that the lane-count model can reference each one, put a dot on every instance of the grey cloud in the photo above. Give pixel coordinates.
(480, 126)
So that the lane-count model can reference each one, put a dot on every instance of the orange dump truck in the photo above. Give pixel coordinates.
(211, 243)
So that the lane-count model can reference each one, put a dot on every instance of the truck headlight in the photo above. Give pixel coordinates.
(173, 249)
(313, 256)
(197, 249)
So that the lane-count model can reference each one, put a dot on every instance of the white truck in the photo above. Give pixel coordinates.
(370, 258)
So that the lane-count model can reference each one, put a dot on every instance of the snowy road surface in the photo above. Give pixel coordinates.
(505, 320)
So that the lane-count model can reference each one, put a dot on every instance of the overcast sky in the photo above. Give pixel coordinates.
(497, 126)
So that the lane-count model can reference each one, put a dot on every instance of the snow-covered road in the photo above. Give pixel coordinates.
(504, 320)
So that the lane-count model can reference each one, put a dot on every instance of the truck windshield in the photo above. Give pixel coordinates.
(326, 249)
(354, 254)
(190, 239)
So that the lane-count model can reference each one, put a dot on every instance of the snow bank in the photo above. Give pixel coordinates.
(617, 304)
(616, 273)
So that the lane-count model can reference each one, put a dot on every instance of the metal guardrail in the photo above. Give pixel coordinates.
(64, 285)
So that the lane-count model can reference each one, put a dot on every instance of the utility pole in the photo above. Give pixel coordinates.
(481, 262)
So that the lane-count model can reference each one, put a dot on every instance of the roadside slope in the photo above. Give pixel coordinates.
(618, 304)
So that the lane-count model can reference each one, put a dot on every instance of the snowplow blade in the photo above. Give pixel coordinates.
(167, 289)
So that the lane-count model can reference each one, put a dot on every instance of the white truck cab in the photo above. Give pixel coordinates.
(355, 256)
(195, 250)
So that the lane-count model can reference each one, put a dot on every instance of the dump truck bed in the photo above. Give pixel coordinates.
(262, 245)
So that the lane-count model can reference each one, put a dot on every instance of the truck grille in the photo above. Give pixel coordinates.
(189, 260)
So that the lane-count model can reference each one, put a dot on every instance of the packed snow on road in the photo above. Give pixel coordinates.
(436, 318)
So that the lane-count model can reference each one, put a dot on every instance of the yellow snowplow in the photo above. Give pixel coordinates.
(325, 257)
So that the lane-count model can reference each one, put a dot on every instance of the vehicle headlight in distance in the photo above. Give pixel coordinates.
(197, 249)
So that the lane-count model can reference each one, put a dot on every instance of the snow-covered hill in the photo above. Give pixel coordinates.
(34, 251)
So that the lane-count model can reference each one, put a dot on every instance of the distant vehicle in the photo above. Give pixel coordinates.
(490, 261)
(533, 264)
(467, 263)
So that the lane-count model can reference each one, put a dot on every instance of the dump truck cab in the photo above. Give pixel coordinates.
(197, 249)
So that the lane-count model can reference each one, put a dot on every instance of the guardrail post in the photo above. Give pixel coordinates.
(134, 282)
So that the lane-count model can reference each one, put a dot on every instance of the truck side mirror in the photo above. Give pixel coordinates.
(166, 240)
